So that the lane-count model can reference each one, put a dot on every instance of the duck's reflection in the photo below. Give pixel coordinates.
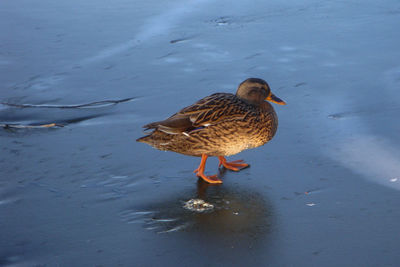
(237, 214)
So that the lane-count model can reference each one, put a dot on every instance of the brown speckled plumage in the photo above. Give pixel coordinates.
(221, 124)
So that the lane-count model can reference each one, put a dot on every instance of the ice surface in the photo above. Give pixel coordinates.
(323, 192)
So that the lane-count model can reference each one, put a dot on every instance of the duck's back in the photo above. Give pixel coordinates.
(218, 125)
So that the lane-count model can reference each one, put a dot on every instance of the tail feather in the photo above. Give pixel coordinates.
(152, 125)
(147, 138)
(163, 131)
(143, 139)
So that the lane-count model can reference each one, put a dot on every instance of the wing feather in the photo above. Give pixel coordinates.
(215, 108)
(207, 111)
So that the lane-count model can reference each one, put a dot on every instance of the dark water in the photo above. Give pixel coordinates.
(324, 192)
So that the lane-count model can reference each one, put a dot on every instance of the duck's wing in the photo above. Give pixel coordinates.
(215, 108)
(205, 112)
(173, 125)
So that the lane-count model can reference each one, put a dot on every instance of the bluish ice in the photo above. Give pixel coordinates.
(323, 192)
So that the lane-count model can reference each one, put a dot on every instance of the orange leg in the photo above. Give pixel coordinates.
(213, 179)
(235, 165)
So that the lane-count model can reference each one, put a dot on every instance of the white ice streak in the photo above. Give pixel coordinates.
(111, 51)
(375, 159)
(158, 25)
(175, 229)
(356, 148)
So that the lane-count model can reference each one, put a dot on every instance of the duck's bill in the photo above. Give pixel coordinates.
(275, 99)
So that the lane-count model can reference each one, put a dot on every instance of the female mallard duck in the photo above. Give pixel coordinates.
(219, 125)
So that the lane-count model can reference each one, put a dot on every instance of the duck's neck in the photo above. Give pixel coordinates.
(266, 106)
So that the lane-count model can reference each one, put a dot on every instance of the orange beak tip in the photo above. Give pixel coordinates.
(275, 100)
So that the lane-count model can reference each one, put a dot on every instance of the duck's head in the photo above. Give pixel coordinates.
(256, 91)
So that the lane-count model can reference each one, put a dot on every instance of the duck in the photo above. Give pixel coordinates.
(219, 125)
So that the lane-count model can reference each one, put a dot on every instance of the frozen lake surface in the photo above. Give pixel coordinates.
(324, 192)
